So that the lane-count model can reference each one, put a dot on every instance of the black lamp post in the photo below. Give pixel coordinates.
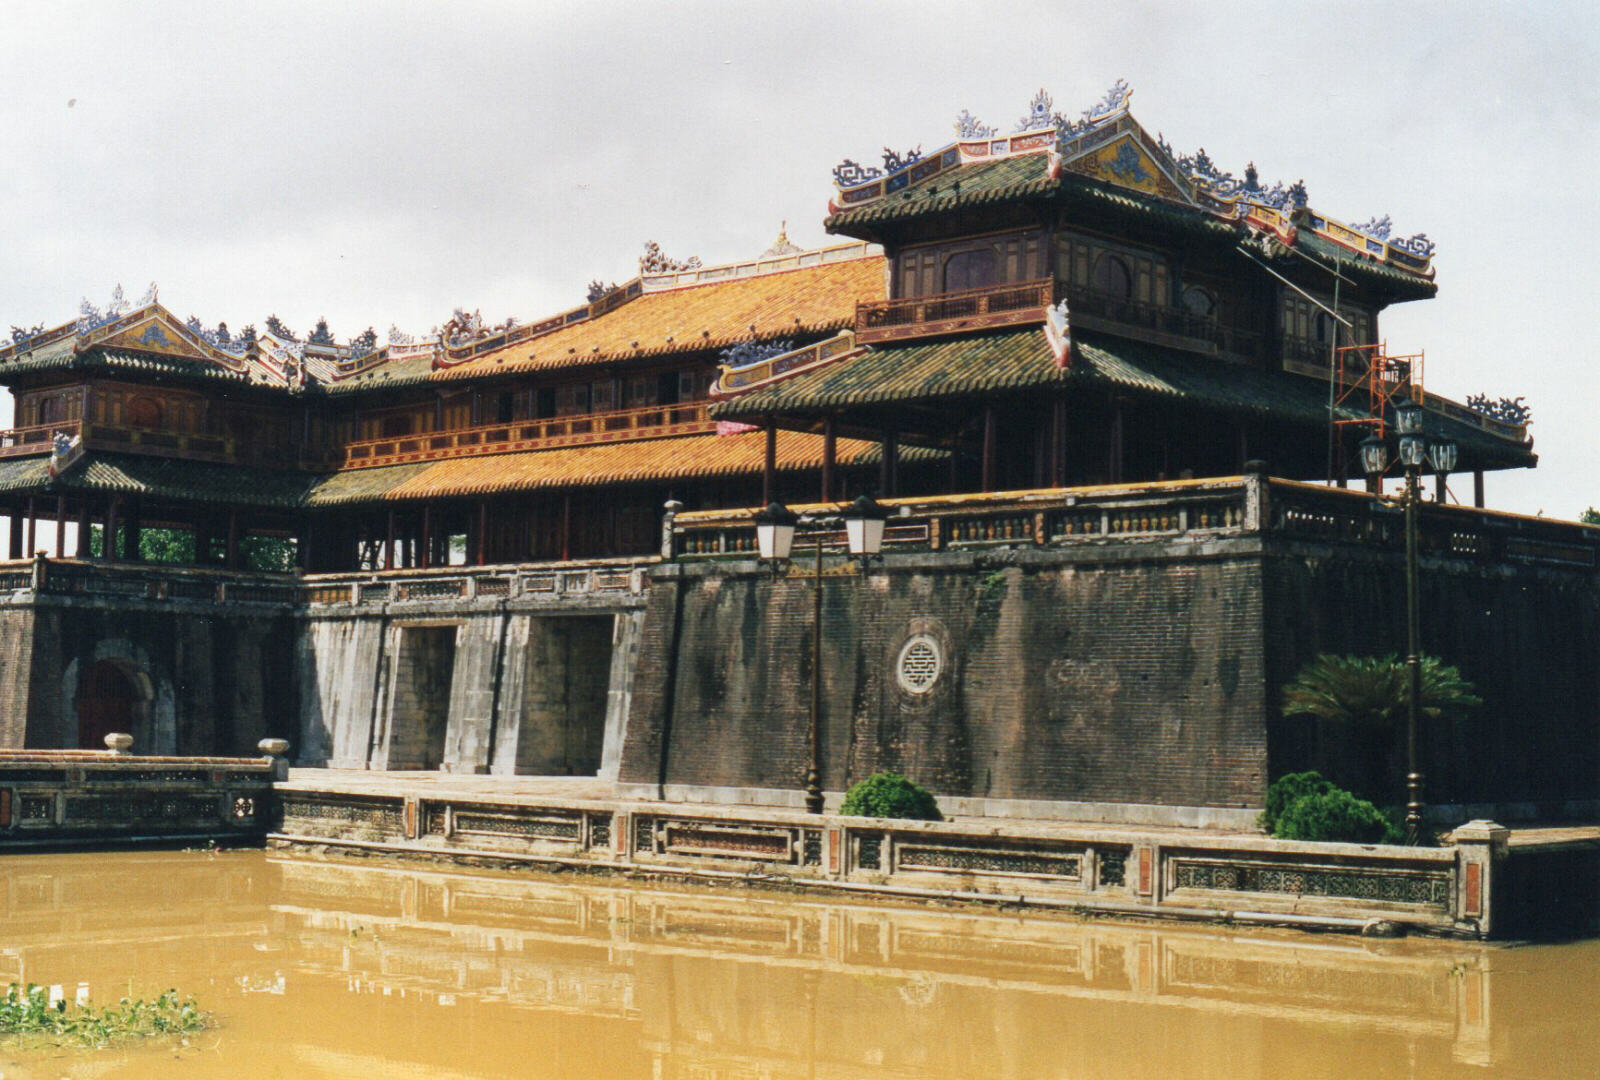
(1415, 451)
(775, 529)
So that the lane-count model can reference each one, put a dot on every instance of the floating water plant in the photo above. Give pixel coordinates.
(28, 1015)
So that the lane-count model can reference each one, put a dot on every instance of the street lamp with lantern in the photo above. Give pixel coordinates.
(1415, 451)
(863, 523)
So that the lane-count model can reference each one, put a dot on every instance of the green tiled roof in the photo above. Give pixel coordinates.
(970, 185)
(24, 474)
(1349, 261)
(162, 478)
(1021, 360)
(361, 485)
(404, 371)
(50, 358)
(952, 367)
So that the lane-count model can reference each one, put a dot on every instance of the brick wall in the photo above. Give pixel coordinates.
(1064, 679)
(1526, 636)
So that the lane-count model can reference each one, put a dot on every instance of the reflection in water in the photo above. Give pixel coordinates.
(323, 969)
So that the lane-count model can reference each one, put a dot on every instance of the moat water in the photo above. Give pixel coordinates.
(336, 969)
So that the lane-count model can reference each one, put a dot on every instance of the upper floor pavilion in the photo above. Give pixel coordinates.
(1071, 304)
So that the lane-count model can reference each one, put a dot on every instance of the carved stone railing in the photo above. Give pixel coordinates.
(60, 797)
(650, 422)
(1087, 867)
(564, 582)
(1171, 510)
(1047, 518)
(945, 313)
(1314, 512)
(145, 582)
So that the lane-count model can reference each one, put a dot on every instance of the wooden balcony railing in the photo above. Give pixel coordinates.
(28, 441)
(973, 309)
(1159, 323)
(650, 422)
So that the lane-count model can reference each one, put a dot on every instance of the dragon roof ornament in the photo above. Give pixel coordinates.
(1106, 143)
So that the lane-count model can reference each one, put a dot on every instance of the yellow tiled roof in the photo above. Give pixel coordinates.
(648, 461)
(806, 301)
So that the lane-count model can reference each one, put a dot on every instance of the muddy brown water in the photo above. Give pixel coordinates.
(349, 969)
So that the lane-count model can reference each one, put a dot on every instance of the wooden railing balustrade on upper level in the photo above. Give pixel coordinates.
(972, 309)
(648, 422)
(1194, 510)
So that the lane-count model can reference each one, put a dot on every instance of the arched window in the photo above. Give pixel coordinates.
(1199, 301)
(1112, 277)
(970, 270)
(145, 412)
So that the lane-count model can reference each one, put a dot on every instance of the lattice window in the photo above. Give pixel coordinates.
(919, 665)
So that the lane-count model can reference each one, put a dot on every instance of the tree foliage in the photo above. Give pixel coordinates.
(1372, 691)
(1590, 516)
(890, 795)
(273, 554)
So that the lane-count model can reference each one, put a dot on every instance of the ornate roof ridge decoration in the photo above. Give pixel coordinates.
(749, 366)
(1107, 144)
(114, 327)
(451, 354)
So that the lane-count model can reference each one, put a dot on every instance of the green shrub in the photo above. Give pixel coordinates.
(1285, 790)
(1337, 816)
(890, 795)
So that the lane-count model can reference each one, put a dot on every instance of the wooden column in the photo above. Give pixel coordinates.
(230, 557)
(1058, 443)
(481, 548)
(108, 537)
(889, 467)
(61, 527)
(991, 438)
(14, 537)
(131, 548)
(769, 469)
(388, 544)
(302, 550)
(830, 445)
(202, 539)
(1243, 454)
(566, 521)
(28, 547)
(1114, 456)
(426, 554)
(84, 528)
(1477, 488)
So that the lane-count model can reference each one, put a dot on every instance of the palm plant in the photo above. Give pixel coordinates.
(1372, 691)
(1367, 696)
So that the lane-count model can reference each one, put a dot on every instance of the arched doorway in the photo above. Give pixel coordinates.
(107, 701)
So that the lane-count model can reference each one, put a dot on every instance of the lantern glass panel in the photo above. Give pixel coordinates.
(1442, 456)
(1408, 418)
(1413, 451)
(1374, 456)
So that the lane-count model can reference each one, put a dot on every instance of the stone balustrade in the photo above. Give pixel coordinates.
(1177, 873)
(566, 581)
(1192, 510)
(56, 798)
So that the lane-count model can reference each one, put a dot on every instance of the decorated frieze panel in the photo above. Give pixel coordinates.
(1431, 888)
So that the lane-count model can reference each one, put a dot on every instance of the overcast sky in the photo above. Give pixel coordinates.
(378, 163)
